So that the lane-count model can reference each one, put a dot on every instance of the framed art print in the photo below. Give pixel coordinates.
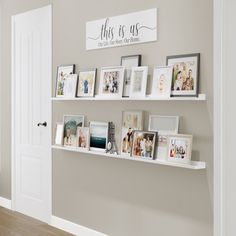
(59, 133)
(164, 126)
(86, 83)
(71, 123)
(161, 84)
(70, 86)
(179, 148)
(143, 144)
(83, 138)
(63, 72)
(138, 81)
(131, 120)
(128, 62)
(98, 135)
(111, 81)
(185, 77)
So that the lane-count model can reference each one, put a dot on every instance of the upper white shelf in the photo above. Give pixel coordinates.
(201, 97)
(194, 165)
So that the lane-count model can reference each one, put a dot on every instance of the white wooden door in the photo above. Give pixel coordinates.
(31, 92)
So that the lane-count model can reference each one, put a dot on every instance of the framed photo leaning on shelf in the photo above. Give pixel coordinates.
(63, 72)
(128, 62)
(179, 148)
(138, 84)
(161, 83)
(83, 138)
(86, 82)
(98, 135)
(71, 123)
(111, 81)
(185, 77)
(131, 120)
(164, 126)
(70, 86)
(144, 144)
(59, 133)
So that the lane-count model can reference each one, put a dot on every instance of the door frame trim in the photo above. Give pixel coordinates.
(13, 167)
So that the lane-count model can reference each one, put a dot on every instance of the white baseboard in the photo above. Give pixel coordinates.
(5, 203)
(73, 228)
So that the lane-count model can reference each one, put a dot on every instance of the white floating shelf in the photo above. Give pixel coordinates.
(201, 97)
(194, 165)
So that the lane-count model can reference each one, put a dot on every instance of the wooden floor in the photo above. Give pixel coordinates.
(15, 224)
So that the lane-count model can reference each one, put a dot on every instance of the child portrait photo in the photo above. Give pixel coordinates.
(83, 137)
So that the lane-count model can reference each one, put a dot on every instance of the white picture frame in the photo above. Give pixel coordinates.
(111, 81)
(98, 135)
(164, 126)
(161, 83)
(138, 82)
(179, 148)
(70, 86)
(71, 123)
(83, 135)
(59, 133)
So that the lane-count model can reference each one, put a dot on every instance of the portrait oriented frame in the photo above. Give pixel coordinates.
(81, 117)
(67, 69)
(161, 82)
(181, 59)
(111, 87)
(105, 125)
(59, 133)
(175, 142)
(128, 62)
(79, 92)
(151, 156)
(71, 86)
(140, 91)
(86, 132)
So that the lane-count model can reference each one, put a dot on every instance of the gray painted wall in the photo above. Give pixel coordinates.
(121, 197)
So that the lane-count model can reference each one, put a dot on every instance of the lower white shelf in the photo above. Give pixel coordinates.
(194, 165)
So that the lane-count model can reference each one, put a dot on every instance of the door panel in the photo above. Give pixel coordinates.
(32, 66)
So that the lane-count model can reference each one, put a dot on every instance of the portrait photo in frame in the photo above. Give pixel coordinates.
(161, 83)
(63, 71)
(128, 62)
(164, 126)
(138, 82)
(86, 82)
(111, 81)
(185, 76)
(83, 138)
(179, 148)
(70, 86)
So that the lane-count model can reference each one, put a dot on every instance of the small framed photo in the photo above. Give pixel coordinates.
(70, 85)
(138, 81)
(71, 123)
(83, 137)
(63, 72)
(128, 62)
(161, 84)
(179, 148)
(185, 77)
(86, 83)
(98, 135)
(143, 144)
(111, 81)
(59, 133)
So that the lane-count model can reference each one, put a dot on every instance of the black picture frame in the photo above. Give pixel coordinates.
(71, 70)
(127, 77)
(187, 91)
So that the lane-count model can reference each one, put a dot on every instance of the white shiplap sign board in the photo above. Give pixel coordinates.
(133, 28)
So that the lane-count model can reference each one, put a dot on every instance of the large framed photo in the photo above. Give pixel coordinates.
(143, 144)
(86, 83)
(179, 148)
(83, 138)
(161, 84)
(138, 81)
(63, 72)
(98, 135)
(185, 77)
(131, 120)
(164, 126)
(70, 86)
(71, 123)
(128, 62)
(111, 81)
